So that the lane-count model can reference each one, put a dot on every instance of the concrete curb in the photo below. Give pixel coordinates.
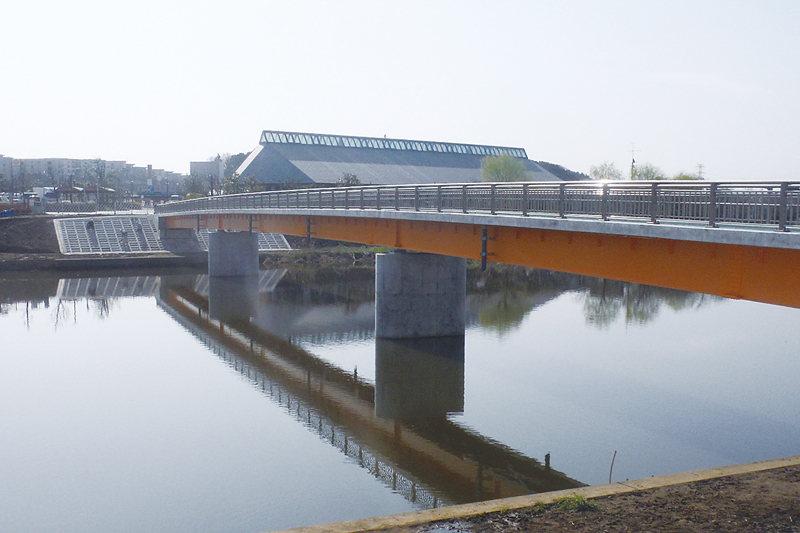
(520, 502)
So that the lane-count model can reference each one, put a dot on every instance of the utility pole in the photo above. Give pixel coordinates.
(633, 163)
(700, 170)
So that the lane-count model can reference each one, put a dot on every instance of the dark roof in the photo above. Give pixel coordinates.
(312, 158)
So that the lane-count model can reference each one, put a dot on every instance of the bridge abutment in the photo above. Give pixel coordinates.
(419, 295)
(232, 253)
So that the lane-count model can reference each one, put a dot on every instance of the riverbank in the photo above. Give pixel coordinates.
(29, 243)
(760, 496)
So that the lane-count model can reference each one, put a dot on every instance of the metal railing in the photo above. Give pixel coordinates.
(92, 207)
(774, 204)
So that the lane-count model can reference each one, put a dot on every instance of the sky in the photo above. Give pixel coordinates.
(577, 83)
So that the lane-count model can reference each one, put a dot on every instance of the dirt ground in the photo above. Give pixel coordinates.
(28, 235)
(767, 501)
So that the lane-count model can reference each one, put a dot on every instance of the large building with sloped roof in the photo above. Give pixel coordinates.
(294, 158)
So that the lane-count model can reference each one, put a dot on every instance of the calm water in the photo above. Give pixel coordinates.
(177, 403)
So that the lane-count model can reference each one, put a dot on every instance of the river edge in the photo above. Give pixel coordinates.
(758, 496)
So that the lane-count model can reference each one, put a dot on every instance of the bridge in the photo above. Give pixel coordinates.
(737, 240)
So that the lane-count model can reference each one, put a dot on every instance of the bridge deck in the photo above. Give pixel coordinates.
(738, 240)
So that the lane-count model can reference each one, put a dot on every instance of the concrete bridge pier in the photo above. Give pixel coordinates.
(232, 253)
(419, 295)
(233, 274)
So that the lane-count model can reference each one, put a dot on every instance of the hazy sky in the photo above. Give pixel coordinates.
(573, 82)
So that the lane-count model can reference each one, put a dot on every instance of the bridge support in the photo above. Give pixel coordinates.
(232, 253)
(419, 295)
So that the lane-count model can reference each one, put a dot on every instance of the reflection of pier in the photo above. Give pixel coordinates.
(267, 280)
(428, 459)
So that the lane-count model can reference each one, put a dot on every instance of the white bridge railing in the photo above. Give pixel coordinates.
(774, 204)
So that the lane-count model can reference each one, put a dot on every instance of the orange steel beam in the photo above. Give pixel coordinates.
(761, 274)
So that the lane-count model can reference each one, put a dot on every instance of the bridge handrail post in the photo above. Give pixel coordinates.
(464, 198)
(654, 203)
(416, 198)
(524, 199)
(783, 207)
(492, 190)
(397, 198)
(712, 205)
(361, 199)
(562, 200)
(439, 198)
(604, 202)
(378, 198)
(346, 198)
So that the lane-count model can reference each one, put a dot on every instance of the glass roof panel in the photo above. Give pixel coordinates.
(268, 136)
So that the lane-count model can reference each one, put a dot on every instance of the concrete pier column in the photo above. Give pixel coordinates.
(419, 295)
(232, 253)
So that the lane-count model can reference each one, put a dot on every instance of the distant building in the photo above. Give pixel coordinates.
(288, 158)
(5, 168)
(65, 172)
(211, 171)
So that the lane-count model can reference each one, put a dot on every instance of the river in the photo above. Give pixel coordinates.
(176, 403)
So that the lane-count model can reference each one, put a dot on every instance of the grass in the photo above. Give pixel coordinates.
(575, 502)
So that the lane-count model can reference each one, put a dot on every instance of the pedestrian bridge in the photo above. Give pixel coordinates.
(733, 239)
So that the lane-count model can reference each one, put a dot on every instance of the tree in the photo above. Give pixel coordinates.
(647, 172)
(233, 184)
(605, 171)
(251, 184)
(348, 180)
(686, 176)
(98, 171)
(232, 162)
(503, 168)
(195, 185)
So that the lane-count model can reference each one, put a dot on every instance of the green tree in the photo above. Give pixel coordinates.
(233, 184)
(195, 185)
(503, 168)
(348, 180)
(251, 184)
(605, 171)
(232, 162)
(686, 176)
(647, 172)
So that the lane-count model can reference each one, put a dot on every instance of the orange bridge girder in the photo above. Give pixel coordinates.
(759, 273)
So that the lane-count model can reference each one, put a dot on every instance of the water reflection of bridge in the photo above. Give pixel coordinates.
(428, 459)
